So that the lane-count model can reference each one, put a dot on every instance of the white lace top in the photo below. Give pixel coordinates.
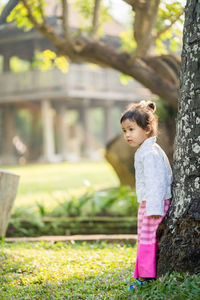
(153, 176)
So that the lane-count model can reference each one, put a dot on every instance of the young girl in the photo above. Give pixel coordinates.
(153, 184)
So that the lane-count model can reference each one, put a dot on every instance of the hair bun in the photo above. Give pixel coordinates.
(151, 105)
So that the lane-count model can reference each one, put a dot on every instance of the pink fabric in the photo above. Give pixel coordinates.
(145, 265)
(147, 243)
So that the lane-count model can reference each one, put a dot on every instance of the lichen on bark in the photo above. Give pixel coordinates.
(180, 232)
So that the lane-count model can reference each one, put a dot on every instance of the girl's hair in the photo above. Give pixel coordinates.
(143, 113)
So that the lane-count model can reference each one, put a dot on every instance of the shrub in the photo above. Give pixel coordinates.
(93, 212)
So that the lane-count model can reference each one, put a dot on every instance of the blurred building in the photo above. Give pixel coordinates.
(61, 119)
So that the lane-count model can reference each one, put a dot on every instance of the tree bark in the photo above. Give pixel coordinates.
(120, 156)
(180, 232)
(8, 190)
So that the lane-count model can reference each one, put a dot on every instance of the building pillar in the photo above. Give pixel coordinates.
(85, 118)
(48, 131)
(62, 132)
(35, 149)
(6, 62)
(8, 132)
(108, 122)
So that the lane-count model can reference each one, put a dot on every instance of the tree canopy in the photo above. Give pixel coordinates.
(143, 51)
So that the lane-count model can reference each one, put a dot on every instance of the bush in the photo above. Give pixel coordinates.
(119, 201)
(103, 211)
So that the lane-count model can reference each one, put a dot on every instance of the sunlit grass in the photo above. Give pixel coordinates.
(50, 183)
(83, 271)
(65, 271)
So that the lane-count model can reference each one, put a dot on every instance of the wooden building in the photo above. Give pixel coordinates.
(50, 97)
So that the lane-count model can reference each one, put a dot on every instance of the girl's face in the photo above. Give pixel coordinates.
(134, 135)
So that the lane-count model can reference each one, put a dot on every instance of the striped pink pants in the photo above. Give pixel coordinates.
(147, 244)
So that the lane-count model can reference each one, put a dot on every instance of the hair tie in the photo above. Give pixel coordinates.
(143, 102)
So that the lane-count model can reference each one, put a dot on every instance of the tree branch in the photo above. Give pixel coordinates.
(101, 54)
(65, 20)
(42, 11)
(145, 19)
(7, 10)
(43, 28)
(167, 66)
(95, 21)
(131, 2)
(87, 50)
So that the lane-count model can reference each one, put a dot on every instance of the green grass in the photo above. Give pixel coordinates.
(68, 190)
(82, 271)
(50, 183)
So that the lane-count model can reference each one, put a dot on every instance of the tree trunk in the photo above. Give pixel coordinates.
(8, 190)
(180, 232)
(120, 156)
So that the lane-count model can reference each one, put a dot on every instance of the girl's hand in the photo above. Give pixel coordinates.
(155, 216)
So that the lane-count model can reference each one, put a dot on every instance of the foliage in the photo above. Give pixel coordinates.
(23, 216)
(82, 271)
(125, 79)
(47, 60)
(45, 188)
(116, 201)
(127, 42)
(168, 41)
(19, 14)
(18, 65)
(44, 61)
(86, 9)
(23, 120)
(164, 110)
(38, 220)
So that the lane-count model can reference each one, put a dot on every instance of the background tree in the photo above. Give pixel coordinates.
(141, 52)
(135, 57)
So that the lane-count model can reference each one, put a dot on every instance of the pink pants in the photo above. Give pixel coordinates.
(147, 244)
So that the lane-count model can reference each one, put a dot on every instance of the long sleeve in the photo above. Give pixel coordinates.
(154, 183)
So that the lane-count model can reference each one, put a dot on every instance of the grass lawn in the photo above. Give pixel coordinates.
(50, 183)
(82, 271)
